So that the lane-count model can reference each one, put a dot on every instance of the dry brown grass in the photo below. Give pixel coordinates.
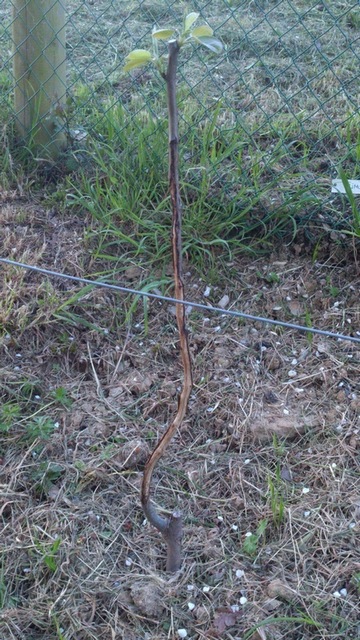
(263, 451)
(270, 447)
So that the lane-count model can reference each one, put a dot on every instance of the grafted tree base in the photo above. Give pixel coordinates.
(171, 530)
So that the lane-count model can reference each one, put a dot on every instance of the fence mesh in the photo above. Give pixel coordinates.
(269, 121)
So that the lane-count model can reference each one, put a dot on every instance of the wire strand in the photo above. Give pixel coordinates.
(195, 305)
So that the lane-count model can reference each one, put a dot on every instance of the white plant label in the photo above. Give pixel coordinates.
(337, 186)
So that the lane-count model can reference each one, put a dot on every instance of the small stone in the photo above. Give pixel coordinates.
(191, 606)
(278, 589)
(207, 292)
(243, 600)
(223, 303)
(182, 633)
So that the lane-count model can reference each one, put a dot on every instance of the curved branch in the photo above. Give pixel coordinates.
(171, 528)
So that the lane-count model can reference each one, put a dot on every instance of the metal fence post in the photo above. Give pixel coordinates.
(39, 68)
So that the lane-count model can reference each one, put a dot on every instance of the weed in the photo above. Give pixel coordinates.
(48, 553)
(251, 542)
(45, 474)
(61, 396)
(9, 412)
(39, 428)
(276, 498)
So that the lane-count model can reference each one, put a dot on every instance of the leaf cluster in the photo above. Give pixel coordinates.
(202, 34)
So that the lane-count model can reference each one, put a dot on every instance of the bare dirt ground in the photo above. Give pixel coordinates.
(265, 469)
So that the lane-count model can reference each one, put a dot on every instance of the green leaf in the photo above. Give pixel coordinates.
(211, 43)
(137, 58)
(190, 19)
(163, 34)
(204, 30)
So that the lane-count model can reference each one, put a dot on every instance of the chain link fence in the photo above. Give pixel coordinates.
(274, 116)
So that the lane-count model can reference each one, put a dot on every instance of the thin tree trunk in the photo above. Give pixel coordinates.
(171, 528)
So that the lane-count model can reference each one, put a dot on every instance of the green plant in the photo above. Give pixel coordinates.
(39, 428)
(251, 542)
(45, 474)
(276, 498)
(9, 412)
(171, 527)
(61, 396)
(49, 553)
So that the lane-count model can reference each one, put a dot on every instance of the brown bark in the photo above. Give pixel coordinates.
(171, 528)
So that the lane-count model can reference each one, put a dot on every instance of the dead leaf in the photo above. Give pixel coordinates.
(132, 453)
(286, 474)
(224, 618)
(295, 308)
(133, 273)
(135, 382)
(272, 604)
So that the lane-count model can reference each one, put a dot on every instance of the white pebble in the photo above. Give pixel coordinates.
(292, 373)
(128, 562)
(182, 633)
(247, 461)
(207, 292)
(223, 303)
(248, 534)
(190, 587)
(206, 589)
(336, 594)
(234, 527)
(191, 606)
(306, 514)
(239, 573)
(352, 525)
(243, 600)
(343, 592)
(305, 490)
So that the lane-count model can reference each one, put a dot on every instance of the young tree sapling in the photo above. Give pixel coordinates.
(171, 528)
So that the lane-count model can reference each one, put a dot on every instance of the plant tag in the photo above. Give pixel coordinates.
(337, 186)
